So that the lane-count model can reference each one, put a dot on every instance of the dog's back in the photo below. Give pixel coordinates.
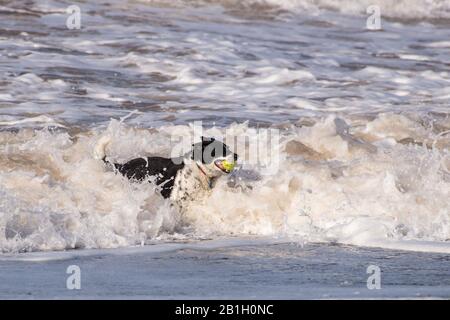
(163, 170)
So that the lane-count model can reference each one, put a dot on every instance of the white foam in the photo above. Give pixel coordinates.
(274, 76)
(335, 183)
(405, 9)
(379, 178)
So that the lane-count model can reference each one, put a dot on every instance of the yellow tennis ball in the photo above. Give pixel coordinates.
(229, 166)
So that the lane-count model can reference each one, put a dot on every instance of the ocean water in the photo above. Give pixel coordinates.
(227, 269)
(362, 120)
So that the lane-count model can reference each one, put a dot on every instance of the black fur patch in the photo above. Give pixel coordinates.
(164, 170)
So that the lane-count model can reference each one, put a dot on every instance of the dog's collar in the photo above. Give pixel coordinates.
(208, 179)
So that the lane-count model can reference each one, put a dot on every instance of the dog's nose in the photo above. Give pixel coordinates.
(235, 157)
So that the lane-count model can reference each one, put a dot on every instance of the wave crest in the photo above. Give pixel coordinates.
(357, 180)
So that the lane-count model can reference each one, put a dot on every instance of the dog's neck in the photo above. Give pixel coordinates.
(194, 169)
(206, 180)
(191, 183)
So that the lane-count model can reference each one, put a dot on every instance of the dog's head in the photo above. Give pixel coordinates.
(213, 157)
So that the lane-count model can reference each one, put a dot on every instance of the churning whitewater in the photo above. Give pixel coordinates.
(362, 181)
(363, 122)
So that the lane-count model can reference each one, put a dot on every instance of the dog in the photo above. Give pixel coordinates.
(179, 179)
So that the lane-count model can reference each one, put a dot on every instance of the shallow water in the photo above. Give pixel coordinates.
(363, 119)
(224, 270)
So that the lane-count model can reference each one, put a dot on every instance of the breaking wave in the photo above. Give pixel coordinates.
(362, 180)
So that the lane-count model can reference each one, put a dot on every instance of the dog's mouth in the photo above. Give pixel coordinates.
(224, 165)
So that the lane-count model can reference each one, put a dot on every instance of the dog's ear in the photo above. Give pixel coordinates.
(207, 139)
(204, 139)
(197, 151)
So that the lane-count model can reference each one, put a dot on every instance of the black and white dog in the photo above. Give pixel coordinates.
(183, 178)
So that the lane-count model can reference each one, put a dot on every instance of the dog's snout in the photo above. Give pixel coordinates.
(235, 157)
